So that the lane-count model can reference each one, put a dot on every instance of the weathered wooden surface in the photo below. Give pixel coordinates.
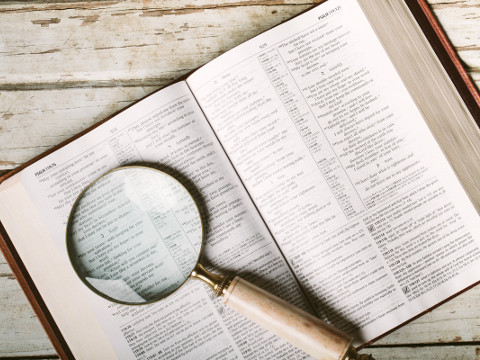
(66, 65)
(21, 333)
(466, 352)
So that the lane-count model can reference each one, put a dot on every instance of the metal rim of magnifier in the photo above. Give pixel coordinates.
(70, 251)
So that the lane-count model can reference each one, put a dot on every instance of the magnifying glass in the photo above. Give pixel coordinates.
(135, 235)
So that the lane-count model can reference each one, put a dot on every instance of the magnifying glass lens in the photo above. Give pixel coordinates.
(134, 235)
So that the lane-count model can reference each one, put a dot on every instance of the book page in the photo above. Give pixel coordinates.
(167, 129)
(343, 169)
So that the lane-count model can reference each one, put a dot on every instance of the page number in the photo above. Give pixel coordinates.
(263, 46)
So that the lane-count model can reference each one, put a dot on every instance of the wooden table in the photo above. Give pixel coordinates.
(66, 65)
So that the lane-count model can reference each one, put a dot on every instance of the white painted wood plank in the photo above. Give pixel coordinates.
(20, 331)
(58, 44)
(33, 121)
(4, 268)
(55, 44)
(464, 352)
(462, 24)
(458, 320)
(455, 3)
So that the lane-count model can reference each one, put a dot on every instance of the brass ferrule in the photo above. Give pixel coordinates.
(218, 283)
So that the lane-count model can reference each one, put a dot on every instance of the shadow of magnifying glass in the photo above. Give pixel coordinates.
(135, 235)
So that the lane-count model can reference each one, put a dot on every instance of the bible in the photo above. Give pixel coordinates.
(336, 155)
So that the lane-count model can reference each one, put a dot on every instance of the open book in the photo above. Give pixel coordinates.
(337, 163)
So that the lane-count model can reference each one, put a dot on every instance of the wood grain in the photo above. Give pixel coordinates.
(139, 45)
(57, 45)
(20, 332)
(67, 65)
(33, 121)
(470, 352)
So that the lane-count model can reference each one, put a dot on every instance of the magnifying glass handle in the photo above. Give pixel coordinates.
(301, 329)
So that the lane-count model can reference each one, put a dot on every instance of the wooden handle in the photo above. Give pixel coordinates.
(301, 329)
